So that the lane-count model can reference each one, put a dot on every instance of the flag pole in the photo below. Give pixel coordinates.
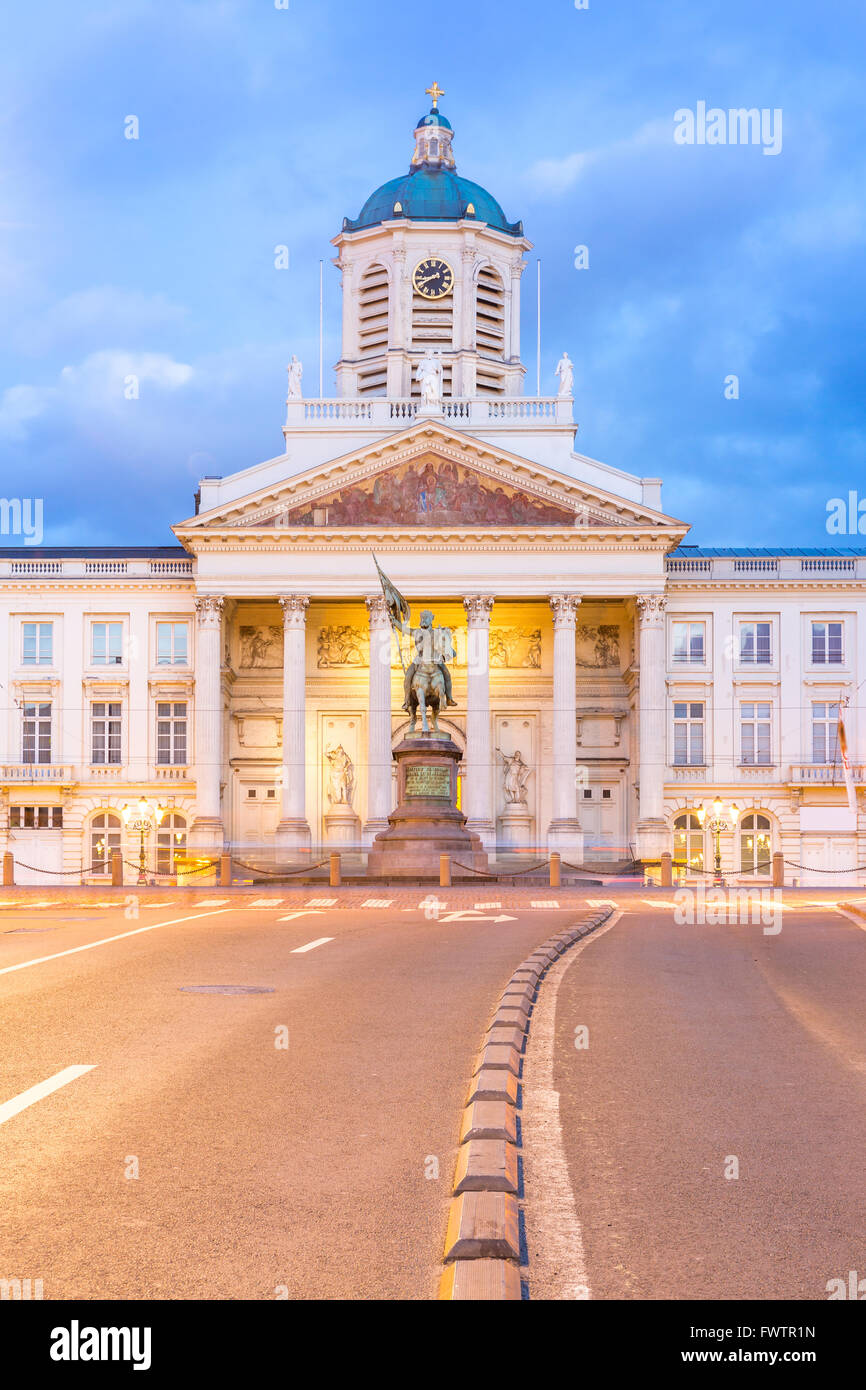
(321, 327)
(538, 346)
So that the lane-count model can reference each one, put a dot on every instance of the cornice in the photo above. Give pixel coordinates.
(773, 586)
(109, 584)
(308, 539)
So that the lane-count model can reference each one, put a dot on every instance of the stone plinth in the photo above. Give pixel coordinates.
(342, 826)
(426, 822)
(516, 827)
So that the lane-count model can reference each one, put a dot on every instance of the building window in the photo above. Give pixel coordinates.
(688, 733)
(105, 732)
(104, 837)
(37, 644)
(755, 746)
(37, 733)
(35, 817)
(826, 644)
(825, 730)
(688, 841)
(170, 842)
(755, 644)
(171, 732)
(688, 641)
(107, 644)
(755, 844)
(171, 644)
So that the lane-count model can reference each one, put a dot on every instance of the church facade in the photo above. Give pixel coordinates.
(611, 682)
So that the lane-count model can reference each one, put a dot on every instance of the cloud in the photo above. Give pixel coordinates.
(104, 384)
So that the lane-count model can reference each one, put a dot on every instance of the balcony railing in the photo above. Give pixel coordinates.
(35, 772)
(386, 413)
(765, 567)
(94, 569)
(825, 774)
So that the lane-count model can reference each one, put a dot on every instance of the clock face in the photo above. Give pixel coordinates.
(433, 278)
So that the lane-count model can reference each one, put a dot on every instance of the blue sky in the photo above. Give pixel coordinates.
(261, 126)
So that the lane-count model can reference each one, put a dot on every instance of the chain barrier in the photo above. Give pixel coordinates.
(504, 873)
(57, 872)
(280, 873)
(158, 873)
(810, 868)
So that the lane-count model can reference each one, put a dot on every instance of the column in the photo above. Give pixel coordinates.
(564, 833)
(293, 832)
(379, 761)
(206, 831)
(652, 835)
(477, 788)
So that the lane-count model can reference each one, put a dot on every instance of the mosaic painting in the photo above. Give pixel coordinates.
(431, 492)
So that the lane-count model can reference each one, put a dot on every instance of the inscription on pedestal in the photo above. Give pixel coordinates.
(423, 780)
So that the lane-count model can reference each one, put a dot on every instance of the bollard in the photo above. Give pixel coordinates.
(778, 870)
(335, 878)
(555, 870)
(116, 869)
(8, 870)
(445, 871)
(225, 871)
(667, 876)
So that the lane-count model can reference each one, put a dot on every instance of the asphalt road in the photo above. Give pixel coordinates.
(262, 1171)
(709, 1043)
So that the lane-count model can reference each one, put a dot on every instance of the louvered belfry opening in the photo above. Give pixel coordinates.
(432, 327)
(373, 301)
(489, 330)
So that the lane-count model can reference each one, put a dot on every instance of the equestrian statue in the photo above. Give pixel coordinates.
(427, 679)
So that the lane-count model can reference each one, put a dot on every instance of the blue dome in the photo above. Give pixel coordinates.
(432, 195)
(435, 118)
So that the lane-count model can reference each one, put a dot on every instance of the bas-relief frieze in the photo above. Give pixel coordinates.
(598, 646)
(342, 645)
(261, 647)
(515, 647)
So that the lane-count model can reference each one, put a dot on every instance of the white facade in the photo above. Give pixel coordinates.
(638, 680)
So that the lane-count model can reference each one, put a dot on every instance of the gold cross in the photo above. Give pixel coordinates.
(435, 92)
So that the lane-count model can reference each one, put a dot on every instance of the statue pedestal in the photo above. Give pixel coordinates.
(426, 822)
(342, 826)
(516, 827)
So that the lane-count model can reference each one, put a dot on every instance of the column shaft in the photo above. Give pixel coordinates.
(293, 832)
(651, 829)
(477, 782)
(564, 833)
(206, 831)
(379, 761)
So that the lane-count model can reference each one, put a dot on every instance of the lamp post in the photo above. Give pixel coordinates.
(716, 824)
(138, 818)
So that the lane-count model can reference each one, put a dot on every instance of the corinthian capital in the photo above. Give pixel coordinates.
(478, 608)
(565, 608)
(294, 608)
(651, 609)
(208, 609)
(377, 609)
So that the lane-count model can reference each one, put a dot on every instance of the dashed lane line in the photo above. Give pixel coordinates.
(12, 1107)
(106, 940)
(311, 945)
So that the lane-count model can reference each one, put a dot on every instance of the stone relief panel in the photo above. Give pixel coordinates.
(261, 647)
(516, 648)
(340, 644)
(598, 647)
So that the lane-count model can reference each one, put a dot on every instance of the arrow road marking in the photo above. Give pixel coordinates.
(311, 945)
(35, 1093)
(470, 915)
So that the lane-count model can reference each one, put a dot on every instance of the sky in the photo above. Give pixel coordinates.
(264, 122)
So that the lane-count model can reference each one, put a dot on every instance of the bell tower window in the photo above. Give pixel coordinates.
(489, 330)
(373, 300)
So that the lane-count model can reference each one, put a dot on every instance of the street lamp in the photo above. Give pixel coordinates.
(717, 824)
(139, 818)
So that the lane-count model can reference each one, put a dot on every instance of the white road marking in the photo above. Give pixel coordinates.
(105, 940)
(600, 902)
(479, 907)
(35, 1093)
(301, 912)
(214, 902)
(311, 945)
(553, 1232)
(544, 902)
(378, 902)
(322, 902)
(266, 902)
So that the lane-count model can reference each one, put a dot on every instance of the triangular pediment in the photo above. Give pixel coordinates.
(428, 477)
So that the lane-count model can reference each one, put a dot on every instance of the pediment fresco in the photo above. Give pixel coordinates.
(428, 491)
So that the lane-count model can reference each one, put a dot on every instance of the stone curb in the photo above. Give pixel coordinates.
(482, 1243)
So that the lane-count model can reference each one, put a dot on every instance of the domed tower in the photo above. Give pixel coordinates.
(431, 263)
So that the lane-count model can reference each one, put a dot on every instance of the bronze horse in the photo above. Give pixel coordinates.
(427, 688)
